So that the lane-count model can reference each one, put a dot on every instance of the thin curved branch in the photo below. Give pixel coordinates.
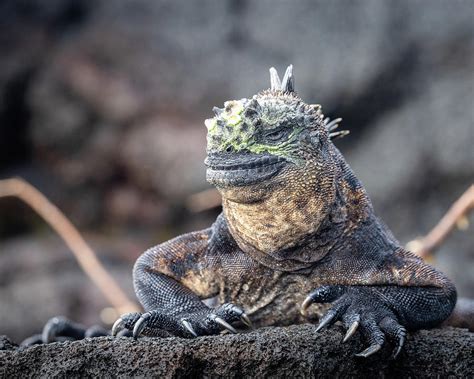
(425, 246)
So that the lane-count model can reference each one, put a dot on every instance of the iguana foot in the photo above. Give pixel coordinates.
(359, 308)
(59, 329)
(205, 321)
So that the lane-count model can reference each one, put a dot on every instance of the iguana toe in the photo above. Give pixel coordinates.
(373, 334)
(191, 323)
(323, 294)
(360, 308)
(395, 332)
(125, 322)
(232, 313)
(62, 327)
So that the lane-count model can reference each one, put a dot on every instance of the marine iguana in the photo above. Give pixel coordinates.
(297, 228)
(297, 232)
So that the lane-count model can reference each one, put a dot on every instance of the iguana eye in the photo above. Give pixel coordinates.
(276, 135)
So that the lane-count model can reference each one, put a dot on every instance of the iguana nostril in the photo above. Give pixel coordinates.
(229, 149)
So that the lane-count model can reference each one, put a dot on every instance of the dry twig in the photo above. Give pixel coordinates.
(426, 246)
(85, 256)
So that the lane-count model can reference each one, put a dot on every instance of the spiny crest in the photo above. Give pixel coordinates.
(288, 82)
(288, 85)
(331, 126)
(247, 113)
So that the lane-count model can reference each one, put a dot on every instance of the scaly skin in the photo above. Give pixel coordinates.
(297, 228)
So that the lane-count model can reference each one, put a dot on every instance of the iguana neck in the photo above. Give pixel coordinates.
(297, 210)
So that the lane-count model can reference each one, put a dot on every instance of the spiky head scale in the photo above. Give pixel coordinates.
(272, 121)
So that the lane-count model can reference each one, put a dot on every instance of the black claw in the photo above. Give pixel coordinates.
(395, 332)
(189, 327)
(306, 304)
(373, 334)
(397, 351)
(350, 332)
(374, 318)
(192, 323)
(401, 342)
(229, 312)
(372, 349)
(326, 320)
(333, 314)
(351, 322)
(118, 326)
(125, 323)
(140, 325)
(324, 294)
(246, 320)
(224, 324)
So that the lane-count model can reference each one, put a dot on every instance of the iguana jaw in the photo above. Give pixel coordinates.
(242, 169)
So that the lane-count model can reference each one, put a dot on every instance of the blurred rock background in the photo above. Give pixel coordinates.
(102, 106)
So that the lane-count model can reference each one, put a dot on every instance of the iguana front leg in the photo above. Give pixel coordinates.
(405, 293)
(170, 281)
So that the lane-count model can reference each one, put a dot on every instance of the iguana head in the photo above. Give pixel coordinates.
(267, 139)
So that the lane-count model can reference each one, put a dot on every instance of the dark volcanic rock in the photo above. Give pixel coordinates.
(296, 351)
(6, 343)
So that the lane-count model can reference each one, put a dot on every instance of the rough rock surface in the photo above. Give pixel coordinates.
(295, 351)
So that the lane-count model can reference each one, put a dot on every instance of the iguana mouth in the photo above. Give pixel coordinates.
(226, 170)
